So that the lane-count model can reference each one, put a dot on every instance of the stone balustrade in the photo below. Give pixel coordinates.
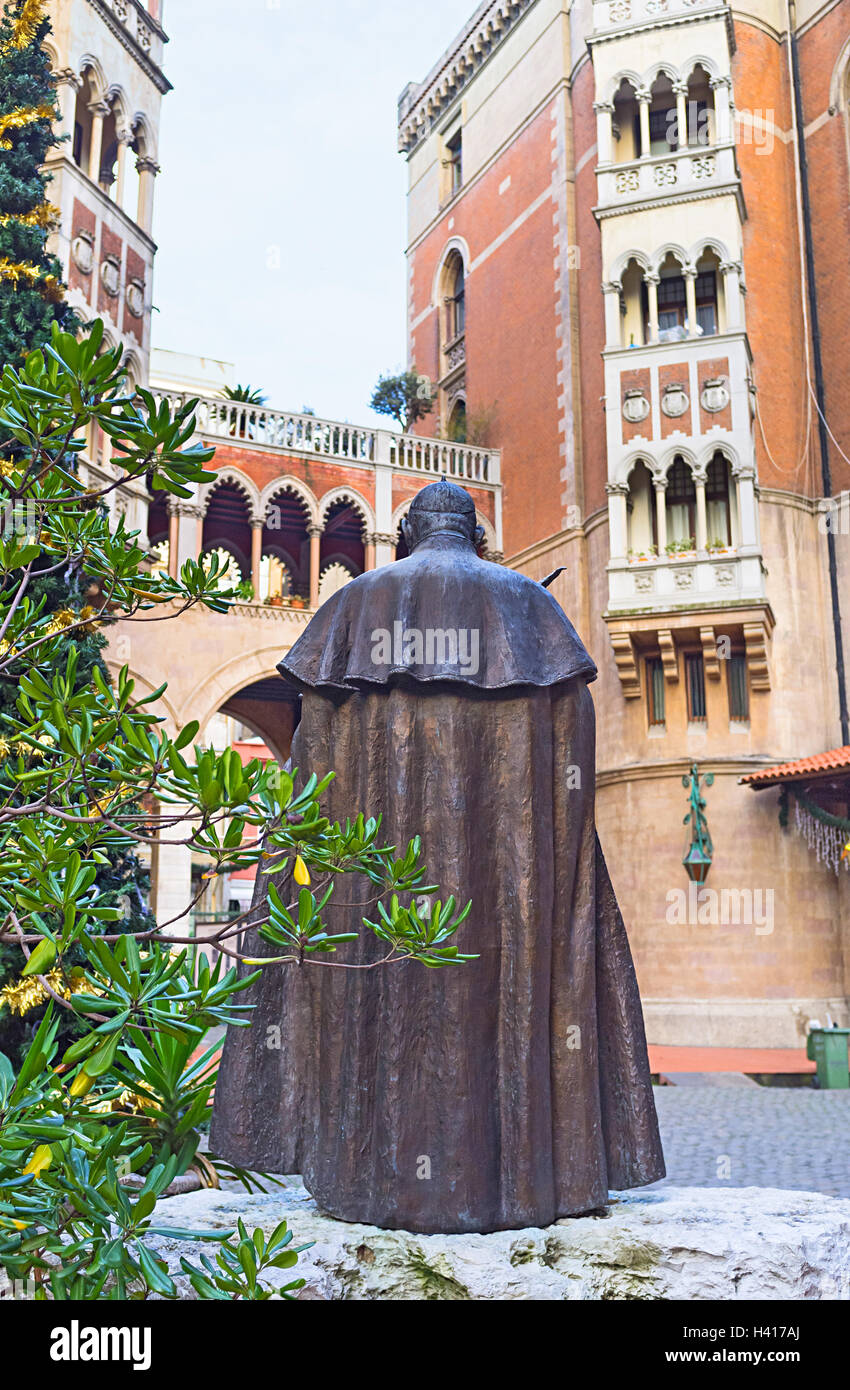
(257, 426)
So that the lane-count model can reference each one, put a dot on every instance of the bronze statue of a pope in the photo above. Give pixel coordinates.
(450, 694)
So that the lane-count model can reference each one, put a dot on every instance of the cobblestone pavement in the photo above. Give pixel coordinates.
(755, 1136)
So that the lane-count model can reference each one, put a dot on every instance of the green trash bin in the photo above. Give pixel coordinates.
(827, 1047)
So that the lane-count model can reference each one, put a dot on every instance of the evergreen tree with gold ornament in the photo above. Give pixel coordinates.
(31, 299)
(30, 278)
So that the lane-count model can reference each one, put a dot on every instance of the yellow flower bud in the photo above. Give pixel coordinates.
(41, 1159)
(81, 1084)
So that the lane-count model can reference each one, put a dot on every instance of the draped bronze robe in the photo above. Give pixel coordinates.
(505, 1092)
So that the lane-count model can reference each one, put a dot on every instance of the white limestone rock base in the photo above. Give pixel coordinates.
(669, 1243)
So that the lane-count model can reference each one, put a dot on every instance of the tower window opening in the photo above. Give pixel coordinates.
(739, 694)
(680, 503)
(695, 686)
(454, 161)
(655, 692)
(458, 301)
(706, 297)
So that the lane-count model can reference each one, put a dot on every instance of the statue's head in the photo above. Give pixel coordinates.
(441, 508)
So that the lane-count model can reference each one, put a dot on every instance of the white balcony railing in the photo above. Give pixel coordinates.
(614, 14)
(258, 426)
(704, 581)
(661, 176)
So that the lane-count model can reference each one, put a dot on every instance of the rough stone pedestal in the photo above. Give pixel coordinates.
(670, 1243)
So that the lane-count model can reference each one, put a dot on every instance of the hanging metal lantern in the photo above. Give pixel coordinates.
(700, 851)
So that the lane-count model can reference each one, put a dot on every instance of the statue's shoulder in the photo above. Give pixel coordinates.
(436, 604)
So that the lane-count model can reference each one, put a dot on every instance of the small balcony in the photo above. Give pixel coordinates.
(705, 581)
(651, 182)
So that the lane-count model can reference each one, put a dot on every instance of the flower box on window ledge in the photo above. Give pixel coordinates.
(681, 550)
(640, 557)
(718, 547)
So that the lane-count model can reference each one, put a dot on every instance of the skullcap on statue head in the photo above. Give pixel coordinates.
(442, 497)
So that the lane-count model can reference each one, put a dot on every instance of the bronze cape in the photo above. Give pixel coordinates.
(505, 1092)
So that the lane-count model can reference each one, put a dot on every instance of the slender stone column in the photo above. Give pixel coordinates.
(125, 139)
(385, 546)
(147, 171)
(651, 278)
(99, 111)
(681, 91)
(644, 98)
(702, 525)
(604, 131)
(747, 512)
(67, 86)
(690, 277)
(660, 486)
(368, 550)
(315, 534)
(722, 88)
(256, 553)
(618, 519)
(613, 330)
(731, 272)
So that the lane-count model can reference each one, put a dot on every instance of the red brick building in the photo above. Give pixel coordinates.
(627, 270)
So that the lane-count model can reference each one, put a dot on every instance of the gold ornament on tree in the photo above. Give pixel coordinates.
(25, 26)
(23, 115)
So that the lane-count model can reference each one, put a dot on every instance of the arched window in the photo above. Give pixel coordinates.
(454, 281)
(681, 500)
(663, 124)
(275, 578)
(625, 126)
(333, 577)
(701, 116)
(671, 298)
(343, 538)
(705, 290)
(717, 503)
(285, 546)
(457, 422)
(227, 526)
(643, 536)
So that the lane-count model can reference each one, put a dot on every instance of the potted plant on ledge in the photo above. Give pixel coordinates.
(682, 549)
(642, 554)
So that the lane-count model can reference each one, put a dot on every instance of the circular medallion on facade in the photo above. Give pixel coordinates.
(635, 406)
(110, 275)
(674, 401)
(135, 298)
(715, 395)
(82, 251)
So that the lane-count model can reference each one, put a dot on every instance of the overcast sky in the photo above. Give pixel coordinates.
(280, 208)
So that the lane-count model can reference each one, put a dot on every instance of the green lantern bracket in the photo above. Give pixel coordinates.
(700, 851)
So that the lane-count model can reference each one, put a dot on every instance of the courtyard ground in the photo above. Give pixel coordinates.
(731, 1132)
